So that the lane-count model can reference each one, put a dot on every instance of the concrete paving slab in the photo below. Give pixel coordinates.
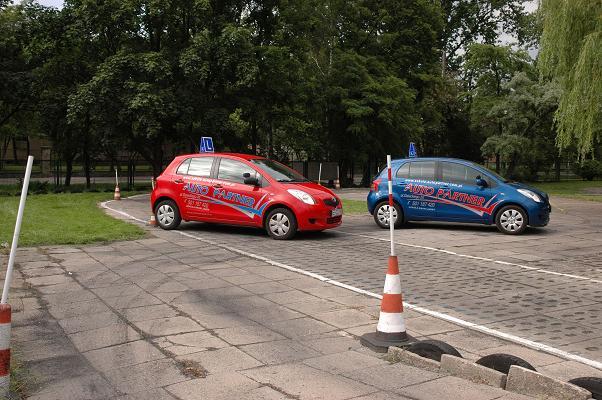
(103, 337)
(137, 378)
(193, 342)
(69, 310)
(123, 355)
(392, 377)
(226, 359)
(137, 300)
(279, 351)
(168, 326)
(297, 328)
(154, 394)
(226, 386)
(345, 318)
(89, 321)
(146, 313)
(92, 387)
(309, 383)
(346, 361)
(451, 388)
(247, 334)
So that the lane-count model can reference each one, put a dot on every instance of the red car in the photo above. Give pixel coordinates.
(242, 189)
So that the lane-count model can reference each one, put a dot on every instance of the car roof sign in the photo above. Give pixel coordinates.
(207, 144)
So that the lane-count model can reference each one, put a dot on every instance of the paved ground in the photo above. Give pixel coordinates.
(171, 318)
(543, 286)
(175, 317)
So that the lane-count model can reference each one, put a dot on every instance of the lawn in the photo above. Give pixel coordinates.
(571, 189)
(354, 207)
(63, 218)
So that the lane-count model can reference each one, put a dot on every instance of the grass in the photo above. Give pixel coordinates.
(571, 189)
(354, 207)
(63, 218)
(21, 380)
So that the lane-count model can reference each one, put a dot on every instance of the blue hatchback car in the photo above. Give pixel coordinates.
(447, 189)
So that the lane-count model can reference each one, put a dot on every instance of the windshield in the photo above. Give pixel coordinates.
(493, 173)
(278, 171)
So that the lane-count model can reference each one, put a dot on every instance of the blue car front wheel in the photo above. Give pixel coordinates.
(382, 215)
(511, 220)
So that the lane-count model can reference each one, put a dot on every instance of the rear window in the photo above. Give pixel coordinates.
(422, 170)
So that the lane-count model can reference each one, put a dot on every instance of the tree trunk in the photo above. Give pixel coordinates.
(69, 170)
(497, 163)
(15, 149)
(87, 166)
(557, 161)
(254, 135)
(270, 140)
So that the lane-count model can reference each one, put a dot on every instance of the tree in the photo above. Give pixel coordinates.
(571, 53)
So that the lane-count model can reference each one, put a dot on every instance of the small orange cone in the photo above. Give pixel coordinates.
(152, 221)
(117, 195)
(391, 329)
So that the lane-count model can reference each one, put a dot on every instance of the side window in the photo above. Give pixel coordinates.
(404, 171)
(458, 173)
(232, 170)
(183, 168)
(200, 166)
(424, 170)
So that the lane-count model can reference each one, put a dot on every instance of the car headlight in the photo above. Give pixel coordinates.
(530, 194)
(301, 195)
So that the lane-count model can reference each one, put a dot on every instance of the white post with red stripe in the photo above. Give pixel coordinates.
(5, 313)
(390, 330)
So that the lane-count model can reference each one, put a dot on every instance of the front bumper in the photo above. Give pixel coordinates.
(540, 216)
(318, 218)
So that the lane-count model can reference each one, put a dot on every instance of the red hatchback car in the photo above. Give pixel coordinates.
(242, 189)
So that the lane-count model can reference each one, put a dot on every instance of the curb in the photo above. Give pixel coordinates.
(396, 354)
(525, 381)
(519, 380)
(476, 373)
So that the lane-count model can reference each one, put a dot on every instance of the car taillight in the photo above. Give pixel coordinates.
(375, 185)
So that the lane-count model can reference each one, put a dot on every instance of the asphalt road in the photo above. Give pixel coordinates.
(544, 286)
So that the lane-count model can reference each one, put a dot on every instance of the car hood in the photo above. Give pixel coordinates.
(519, 185)
(311, 188)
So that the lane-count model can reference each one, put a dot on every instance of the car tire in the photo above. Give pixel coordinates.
(511, 220)
(382, 209)
(167, 215)
(281, 224)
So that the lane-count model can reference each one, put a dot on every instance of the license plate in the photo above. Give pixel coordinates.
(336, 212)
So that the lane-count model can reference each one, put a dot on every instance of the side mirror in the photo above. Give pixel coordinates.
(481, 182)
(250, 180)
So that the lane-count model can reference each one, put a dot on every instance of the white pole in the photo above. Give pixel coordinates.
(116, 178)
(320, 175)
(13, 248)
(391, 204)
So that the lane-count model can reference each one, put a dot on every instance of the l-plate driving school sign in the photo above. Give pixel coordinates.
(412, 153)
(207, 144)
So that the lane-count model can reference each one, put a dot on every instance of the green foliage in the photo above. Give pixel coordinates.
(589, 169)
(571, 53)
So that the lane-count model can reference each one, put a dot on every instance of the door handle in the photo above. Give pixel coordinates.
(217, 186)
(178, 181)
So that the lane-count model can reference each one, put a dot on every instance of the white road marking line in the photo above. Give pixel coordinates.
(540, 270)
(458, 321)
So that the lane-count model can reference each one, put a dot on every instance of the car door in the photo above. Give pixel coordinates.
(459, 197)
(415, 184)
(193, 180)
(235, 201)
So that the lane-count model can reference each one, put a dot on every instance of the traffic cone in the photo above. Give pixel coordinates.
(152, 221)
(117, 195)
(391, 330)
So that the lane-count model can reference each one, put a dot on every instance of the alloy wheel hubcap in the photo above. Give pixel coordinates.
(279, 224)
(383, 215)
(511, 220)
(165, 215)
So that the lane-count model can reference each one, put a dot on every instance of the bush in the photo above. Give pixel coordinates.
(589, 169)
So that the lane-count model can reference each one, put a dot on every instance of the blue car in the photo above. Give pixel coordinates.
(452, 190)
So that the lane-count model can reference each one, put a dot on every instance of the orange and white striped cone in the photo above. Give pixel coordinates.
(117, 195)
(391, 329)
(152, 221)
(5, 317)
